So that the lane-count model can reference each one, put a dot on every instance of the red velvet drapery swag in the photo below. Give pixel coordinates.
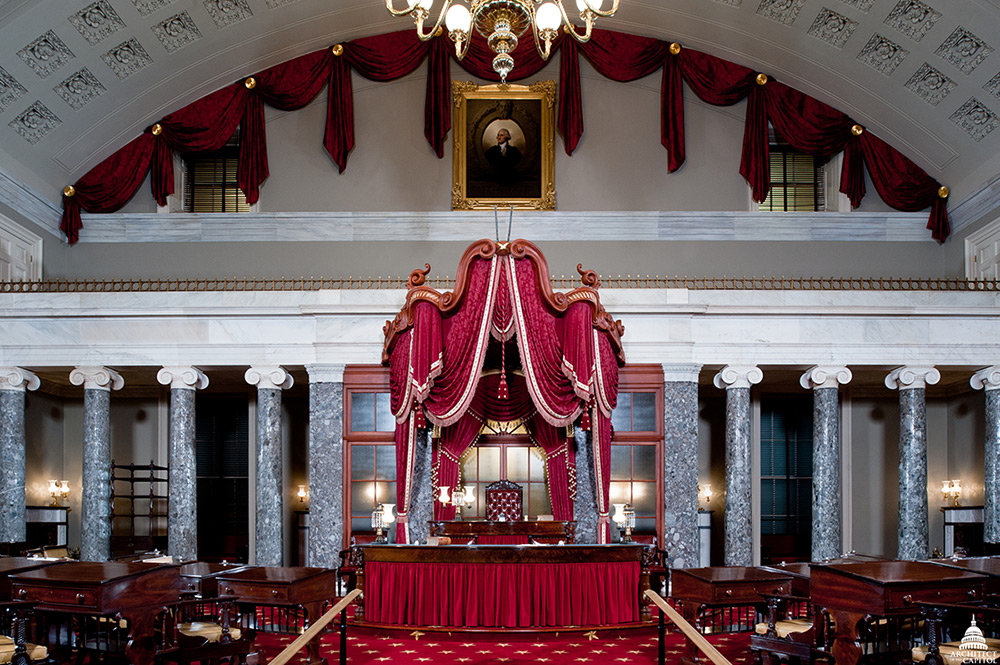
(206, 124)
(569, 348)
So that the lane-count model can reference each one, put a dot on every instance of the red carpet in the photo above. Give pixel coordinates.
(604, 647)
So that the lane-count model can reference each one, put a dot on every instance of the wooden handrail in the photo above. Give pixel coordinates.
(314, 629)
(690, 631)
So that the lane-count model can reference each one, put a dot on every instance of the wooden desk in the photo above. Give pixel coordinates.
(722, 586)
(986, 565)
(202, 577)
(483, 530)
(510, 586)
(17, 564)
(292, 586)
(853, 591)
(136, 591)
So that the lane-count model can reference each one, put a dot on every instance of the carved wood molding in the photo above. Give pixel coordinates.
(486, 249)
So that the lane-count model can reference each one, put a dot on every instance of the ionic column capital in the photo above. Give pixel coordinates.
(738, 376)
(681, 372)
(987, 378)
(270, 377)
(825, 376)
(15, 378)
(182, 377)
(326, 373)
(905, 378)
(96, 378)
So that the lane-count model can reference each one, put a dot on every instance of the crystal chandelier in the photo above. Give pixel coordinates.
(502, 22)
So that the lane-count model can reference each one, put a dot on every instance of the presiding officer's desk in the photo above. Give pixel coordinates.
(509, 586)
(515, 532)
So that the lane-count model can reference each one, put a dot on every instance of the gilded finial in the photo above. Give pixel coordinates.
(337, 50)
(943, 192)
(156, 129)
(250, 83)
(857, 130)
(69, 190)
(761, 78)
(675, 48)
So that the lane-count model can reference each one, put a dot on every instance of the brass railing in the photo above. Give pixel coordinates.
(316, 628)
(666, 611)
(723, 283)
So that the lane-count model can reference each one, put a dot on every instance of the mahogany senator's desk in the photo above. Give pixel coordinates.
(851, 592)
(722, 586)
(202, 577)
(513, 532)
(508, 586)
(137, 591)
(18, 564)
(987, 565)
(288, 586)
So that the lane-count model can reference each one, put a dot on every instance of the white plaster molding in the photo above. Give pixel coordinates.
(15, 378)
(269, 378)
(680, 372)
(988, 378)
(181, 377)
(906, 378)
(326, 373)
(96, 378)
(825, 376)
(738, 376)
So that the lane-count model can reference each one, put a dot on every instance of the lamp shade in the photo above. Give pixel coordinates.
(619, 515)
(458, 19)
(443, 496)
(548, 17)
(387, 516)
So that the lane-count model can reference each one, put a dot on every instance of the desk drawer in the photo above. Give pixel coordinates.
(748, 592)
(901, 599)
(261, 593)
(66, 597)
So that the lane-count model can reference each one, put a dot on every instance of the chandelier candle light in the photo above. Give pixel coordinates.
(502, 22)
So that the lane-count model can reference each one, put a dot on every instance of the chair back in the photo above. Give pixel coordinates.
(504, 501)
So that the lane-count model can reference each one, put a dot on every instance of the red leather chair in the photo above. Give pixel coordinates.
(504, 501)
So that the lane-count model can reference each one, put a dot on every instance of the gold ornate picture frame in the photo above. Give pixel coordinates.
(520, 174)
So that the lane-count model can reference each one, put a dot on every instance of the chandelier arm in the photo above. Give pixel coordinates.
(607, 13)
(398, 12)
(419, 15)
(585, 37)
(461, 51)
(544, 46)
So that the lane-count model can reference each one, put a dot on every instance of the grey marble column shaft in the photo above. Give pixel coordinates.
(826, 504)
(95, 504)
(12, 470)
(989, 379)
(95, 509)
(739, 463)
(182, 520)
(585, 504)
(913, 533)
(680, 466)
(326, 468)
(422, 495)
(913, 537)
(739, 515)
(268, 537)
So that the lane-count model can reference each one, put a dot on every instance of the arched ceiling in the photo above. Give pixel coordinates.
(923, 75)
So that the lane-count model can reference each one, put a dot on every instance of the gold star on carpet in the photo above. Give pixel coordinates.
(416, 634)
(592, 635)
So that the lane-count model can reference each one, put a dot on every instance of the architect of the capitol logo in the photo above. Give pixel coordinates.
(974, 648)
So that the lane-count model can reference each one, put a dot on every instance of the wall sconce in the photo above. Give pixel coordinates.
(951, 490)
(382, 517)
(58, 489)
(301, 494)
(624, 517)
(705, 493)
